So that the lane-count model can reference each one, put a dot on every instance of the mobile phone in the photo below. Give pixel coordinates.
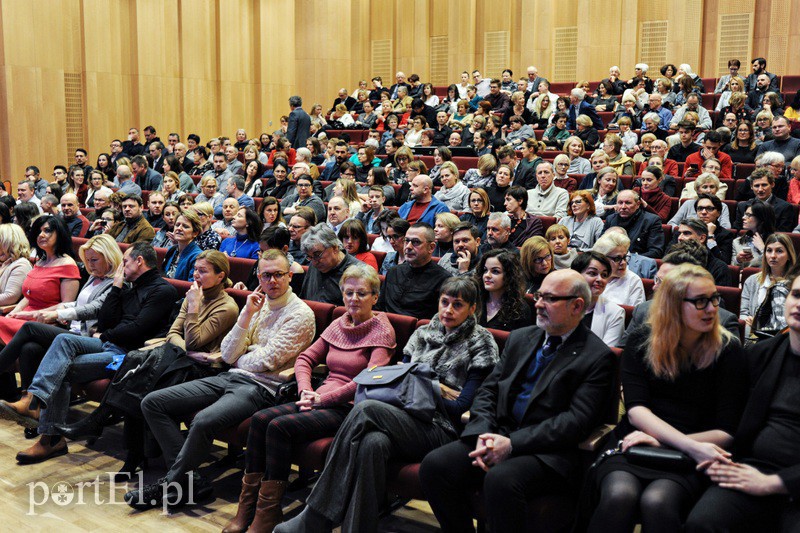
(693, 167)
(102, 222)
(747, 250)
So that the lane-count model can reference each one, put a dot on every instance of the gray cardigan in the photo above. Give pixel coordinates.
(87, 314)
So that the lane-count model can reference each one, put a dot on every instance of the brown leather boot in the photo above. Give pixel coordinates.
(44, 449)
(268, 511)
(247, 504)
(21, 408)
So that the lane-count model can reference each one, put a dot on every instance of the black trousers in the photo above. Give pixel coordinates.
(29, 346)
(725, 510)
(449, 481)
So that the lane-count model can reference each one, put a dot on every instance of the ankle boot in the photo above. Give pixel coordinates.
(268, 510)
(90, 427)
(247, 504)
(21, 408)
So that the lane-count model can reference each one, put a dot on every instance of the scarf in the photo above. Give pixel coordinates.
(377, 332)
(453, 355)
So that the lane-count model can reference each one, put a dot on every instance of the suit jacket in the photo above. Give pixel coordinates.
(572, 396)
(645, 233)
(785, 219)
(151, 180)
(765, 362)
(158, 166)
(393, 89)
(584, 108)
(299, 126)
(131, 149)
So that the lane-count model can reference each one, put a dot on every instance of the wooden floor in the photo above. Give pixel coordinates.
(31, 495)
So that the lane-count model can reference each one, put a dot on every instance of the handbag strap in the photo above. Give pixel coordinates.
(611, 452)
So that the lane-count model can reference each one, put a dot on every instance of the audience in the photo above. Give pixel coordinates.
(643, 228)
(694, 229)
(464, 256)
(479, 209)
(605, 319)
(536, 258)
(582, 224)
(558, 237)
(546, 199)
(394, 233)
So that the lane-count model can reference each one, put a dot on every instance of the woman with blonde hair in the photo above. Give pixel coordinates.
(561, 178)
(735, 85)
(617, 159)
(586, 132)
(483, 176)
(605, 191)
(101, 256)
(170, 187)
(208, 238)
(575, 149)
(346, 188)
(209, 193)
(684, 377)
(15, 265)
(454, 194)
(479, 209)
(536, 259)
(443, 233)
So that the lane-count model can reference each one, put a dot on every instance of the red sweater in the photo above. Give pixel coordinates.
(351, 349)
(658, 202)
(725, 160)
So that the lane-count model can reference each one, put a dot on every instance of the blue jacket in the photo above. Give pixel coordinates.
(185, 269)
(429, 216)
(585, 108)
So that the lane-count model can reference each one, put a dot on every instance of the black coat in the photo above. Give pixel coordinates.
(644, 231)
(785, 217)
(572, 396)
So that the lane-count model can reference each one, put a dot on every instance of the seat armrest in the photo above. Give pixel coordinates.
(593, 441)
(465, 417)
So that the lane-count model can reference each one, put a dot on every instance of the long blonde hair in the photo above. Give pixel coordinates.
(665, 356)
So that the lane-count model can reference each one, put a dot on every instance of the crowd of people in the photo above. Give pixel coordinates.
(557, 250)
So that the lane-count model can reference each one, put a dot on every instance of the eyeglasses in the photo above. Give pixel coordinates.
(619, 258)
(747, 215)
(576, 202)
(701, 302)
(267, 276)
(414, 242)
(357, 294)
(540, 260)
(550, 298)
(315, 256)
(706, 208)
(393, 237)
(304, 186)
(297, 226)
(348, 174)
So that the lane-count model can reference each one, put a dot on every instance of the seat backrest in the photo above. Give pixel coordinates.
(161, 253)
(628, 314)
(735, 273)
(749, 271)
(323, 314)
(241, 268)
(732, 297)
(180, 285)
(500, 337)
(648, 288)
(239, 296)
(77, 242)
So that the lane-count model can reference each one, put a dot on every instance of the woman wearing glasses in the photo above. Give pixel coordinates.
(536, 259)
(684, 378)
(358, 339)
(766, 289)
(583, 224)
(624, 286)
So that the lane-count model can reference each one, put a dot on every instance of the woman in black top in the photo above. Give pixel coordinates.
(480, 207)
(503, 305)
(743, 147)
(685, 385)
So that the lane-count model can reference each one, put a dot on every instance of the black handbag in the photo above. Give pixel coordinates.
(412, 387)
(664, 459)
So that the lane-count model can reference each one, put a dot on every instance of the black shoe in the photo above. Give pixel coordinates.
(149, 496)
(133, 462)
(191, 491)
(90, 427)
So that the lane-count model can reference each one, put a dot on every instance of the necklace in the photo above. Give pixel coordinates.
(236, 248)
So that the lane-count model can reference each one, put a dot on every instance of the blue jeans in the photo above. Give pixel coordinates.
(69, 358)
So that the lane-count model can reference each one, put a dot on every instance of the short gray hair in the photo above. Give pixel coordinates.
(580, 288)
(770, 158)
(505, 220)
(578, 92)
(372, 142)
(295, 101)
(305, 152)
(319, 235)
(653, 117)
(642, 66)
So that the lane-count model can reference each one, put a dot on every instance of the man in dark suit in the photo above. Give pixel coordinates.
(644, 229)
(401, 82)
(146, 178)
(348, 101)
(760, 67)
(552, 387)
(132, 146)
(156, 150)
(759, 489)
(762, 182)
(579, 106)
(299, 123)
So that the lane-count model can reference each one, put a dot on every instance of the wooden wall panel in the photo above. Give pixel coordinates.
(212, 66)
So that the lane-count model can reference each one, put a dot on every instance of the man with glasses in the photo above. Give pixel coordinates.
(694, 229)
(303, 196)
(116, 151)
(411, 288)
(691, 252)
(328, 261)
(298, 225)
(762, 182)
(644, 229)
(551, 387)
(274, 316)
(60, 176)
(708, 208)
(724, 81)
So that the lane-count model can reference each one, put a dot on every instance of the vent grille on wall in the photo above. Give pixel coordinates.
(565, 53)
(73, 104)
(496, 53)
(778, 36)
(653, 43)
(735, 38)
(382, 60)
(439, 59)
(693, 28)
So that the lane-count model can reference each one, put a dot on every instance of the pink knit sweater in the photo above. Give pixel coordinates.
(346, 350)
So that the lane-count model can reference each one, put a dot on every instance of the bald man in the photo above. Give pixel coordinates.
(71, 213)
(423, 207)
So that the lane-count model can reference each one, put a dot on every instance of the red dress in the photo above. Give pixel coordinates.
(42, 288)
(369, 259)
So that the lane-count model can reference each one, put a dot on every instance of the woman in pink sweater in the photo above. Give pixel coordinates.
(358, 339)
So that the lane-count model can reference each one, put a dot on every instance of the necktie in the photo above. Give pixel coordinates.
(540, 361)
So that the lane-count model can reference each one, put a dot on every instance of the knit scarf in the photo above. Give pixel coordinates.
(377, 332)
(452, 355)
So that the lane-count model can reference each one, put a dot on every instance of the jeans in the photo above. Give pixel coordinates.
(69, 358)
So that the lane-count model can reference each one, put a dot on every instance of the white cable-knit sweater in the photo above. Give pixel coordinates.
(277, 334)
